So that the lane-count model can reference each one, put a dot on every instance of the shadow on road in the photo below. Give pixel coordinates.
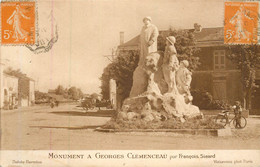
(69, 128)
(100, 113)
(255, 117)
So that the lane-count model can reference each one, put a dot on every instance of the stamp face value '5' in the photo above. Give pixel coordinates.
(241, 22)
(18, 22)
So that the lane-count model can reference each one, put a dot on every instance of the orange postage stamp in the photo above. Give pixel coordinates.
(241, 22)
(18, 22)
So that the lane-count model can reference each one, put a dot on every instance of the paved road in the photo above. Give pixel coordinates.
(70, 128)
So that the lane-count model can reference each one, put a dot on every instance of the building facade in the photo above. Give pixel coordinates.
(26, 89)
(15, 91)
(8, 88)
(9, 91)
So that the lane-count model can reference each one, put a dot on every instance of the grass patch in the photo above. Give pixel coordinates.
(206, 123)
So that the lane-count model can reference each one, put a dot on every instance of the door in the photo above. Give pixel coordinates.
(255, 100)
(219, 90)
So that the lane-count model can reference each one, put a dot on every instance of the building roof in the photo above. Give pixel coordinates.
(11, 76)
(51, 91)
(57, 97)
(31, 79)
(206, 37)
(210, 34)
(18, 75)
(132, 42)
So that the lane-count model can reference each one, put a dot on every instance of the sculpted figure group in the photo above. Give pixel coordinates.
(147, 92)
(176, 75)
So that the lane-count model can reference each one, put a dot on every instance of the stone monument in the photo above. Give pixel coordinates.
(164, 98)
(148, 44)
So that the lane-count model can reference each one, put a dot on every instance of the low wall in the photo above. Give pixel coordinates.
(254, 112)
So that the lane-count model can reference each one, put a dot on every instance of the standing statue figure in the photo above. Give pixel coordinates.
(170, 64)
(183, 80)
(148, 39)
(148, 44)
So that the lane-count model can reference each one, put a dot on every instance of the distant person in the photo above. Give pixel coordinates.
(57, 103)
(237, 111)
(52, 102)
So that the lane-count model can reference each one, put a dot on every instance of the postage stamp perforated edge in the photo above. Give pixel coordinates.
(258, 23)
(35, 23)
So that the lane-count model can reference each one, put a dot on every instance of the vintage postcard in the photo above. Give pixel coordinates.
(129, 83)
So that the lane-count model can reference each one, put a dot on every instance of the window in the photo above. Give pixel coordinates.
(219, 60)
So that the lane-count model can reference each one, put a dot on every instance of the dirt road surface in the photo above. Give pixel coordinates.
(68, 127)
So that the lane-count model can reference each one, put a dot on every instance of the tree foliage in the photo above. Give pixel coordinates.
(94, 96)
(75, 93)
(122, 70)
(40, 95)
(247, 61)
(71, 93)
(60, 90)
(105, 82)
(80, 93)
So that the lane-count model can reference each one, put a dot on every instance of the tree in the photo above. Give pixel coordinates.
(73, 93)
(59, 90)
(247, 61)
(80, 93)
(94, 96)
(105, 78)
(66, 94)
(40, 95)
(121, 70)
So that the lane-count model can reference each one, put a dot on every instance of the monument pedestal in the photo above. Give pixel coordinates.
(146, 101)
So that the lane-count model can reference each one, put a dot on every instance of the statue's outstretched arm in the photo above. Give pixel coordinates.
(247, 16)
(24, 15)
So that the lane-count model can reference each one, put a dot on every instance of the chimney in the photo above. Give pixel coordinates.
(121, 38)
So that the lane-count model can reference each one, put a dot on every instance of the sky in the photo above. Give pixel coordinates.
(89, 29)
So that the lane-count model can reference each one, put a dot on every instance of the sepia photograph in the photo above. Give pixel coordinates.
(129, 83)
